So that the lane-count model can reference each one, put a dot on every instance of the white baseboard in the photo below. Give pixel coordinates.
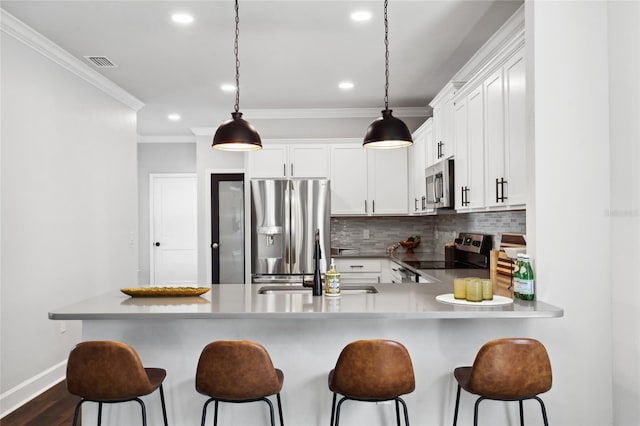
(30, 388)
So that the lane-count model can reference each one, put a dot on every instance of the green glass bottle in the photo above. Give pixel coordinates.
(527, 279)
(517, 276)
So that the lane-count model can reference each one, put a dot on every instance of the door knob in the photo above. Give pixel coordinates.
(157, 244)
(214, 245)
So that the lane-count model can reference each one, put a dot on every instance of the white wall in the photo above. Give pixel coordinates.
(157, 158)
(624, 118)
(208, 160)
(568, 42)
(69, 210)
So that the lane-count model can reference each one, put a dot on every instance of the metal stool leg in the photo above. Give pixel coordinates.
(455, 413)
(164, 408)
(333, 409)
(343, 399)
(544, 411)
(521, 413)
(99, 413)
(204, 411)
(144, 411)
(271, 416)
(397, 412)
(280, 409)
(475, 411)
(215, 414)
(406, 412)
(76, 412)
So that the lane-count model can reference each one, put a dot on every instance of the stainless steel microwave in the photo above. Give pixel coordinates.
(440, 187)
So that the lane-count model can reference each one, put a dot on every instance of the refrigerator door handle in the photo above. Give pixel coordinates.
(291, 234)
(287, 229)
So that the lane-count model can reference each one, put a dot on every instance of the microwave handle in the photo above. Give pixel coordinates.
(437, 196)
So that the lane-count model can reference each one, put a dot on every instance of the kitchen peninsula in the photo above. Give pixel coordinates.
(304, 335)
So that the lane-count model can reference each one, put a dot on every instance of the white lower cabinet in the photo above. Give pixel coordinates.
(359, 271)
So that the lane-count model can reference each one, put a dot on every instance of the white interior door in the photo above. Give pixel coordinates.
(173, 229)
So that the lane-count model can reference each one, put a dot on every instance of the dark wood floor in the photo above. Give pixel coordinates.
(52, 408)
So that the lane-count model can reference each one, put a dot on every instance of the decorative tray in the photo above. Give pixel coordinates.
(164, 291)
(497, 300)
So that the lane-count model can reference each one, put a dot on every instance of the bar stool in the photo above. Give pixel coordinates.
(513, 369)
(110, 372)
(237, 371)
(373, 371)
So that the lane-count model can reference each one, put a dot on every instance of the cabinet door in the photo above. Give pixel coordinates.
(475, 139)
(417, 164)
(310, 161)
(428, 144)
(515, 127)
(269, 162)
(348, 179)
(387, 181)
(494, 139)
(462, 154)
(438, 132)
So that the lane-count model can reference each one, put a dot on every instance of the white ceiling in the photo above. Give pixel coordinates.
(293, 54)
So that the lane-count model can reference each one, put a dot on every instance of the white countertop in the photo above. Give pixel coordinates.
(229, 301)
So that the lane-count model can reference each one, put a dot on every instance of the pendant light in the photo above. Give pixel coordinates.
(387, 131)
(237, 134)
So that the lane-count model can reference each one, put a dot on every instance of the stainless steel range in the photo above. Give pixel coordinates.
(470, 251)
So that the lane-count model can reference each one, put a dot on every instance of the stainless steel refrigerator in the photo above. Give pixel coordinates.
(285, 214)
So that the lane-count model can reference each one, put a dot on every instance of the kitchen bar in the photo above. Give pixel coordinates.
(304, 335)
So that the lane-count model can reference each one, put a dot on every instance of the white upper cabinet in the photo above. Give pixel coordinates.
(422, 139)
(388, 181)
(443, 112)
(348, 179)
(368, 181)
(505, 143)
(298, 159)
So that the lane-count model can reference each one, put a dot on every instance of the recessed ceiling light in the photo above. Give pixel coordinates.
(345, 85)
(174, 117)
(182, 18)
(361, 16)
(228, 87)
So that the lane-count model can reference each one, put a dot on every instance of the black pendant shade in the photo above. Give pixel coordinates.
(236, 134)
(387, 132)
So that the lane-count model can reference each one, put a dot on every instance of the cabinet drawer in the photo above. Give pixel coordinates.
(358, 265)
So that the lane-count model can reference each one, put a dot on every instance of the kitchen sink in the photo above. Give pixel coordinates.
(289, 289)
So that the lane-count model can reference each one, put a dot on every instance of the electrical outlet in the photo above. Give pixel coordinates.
(365, 234)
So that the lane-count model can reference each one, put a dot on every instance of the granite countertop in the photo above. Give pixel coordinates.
(229, 301)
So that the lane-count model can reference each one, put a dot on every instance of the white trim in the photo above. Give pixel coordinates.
(152, 177)
(17, 396)
(168, 139)
(12, 26)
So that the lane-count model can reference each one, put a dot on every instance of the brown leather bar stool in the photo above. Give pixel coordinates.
(238, 371)
(110, 372)
(513, 369)
(373, 371)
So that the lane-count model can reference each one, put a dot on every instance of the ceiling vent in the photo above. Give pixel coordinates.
(100, 61)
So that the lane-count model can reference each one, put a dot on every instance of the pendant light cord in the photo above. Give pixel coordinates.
(386, 57)
(235, 51)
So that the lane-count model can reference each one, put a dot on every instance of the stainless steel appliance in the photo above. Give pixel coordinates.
(470, 251)
(285, 214)
(440, 186)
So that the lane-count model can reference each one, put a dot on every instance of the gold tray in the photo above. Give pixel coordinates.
(164, 291)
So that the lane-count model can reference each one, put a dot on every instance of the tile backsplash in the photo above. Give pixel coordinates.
(435, 231)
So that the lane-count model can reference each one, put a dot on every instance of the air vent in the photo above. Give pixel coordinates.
(101, 61)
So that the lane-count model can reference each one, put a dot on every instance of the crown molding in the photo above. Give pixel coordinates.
(17, 29)
(513, 28)
(167, 139)
(320, 113)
